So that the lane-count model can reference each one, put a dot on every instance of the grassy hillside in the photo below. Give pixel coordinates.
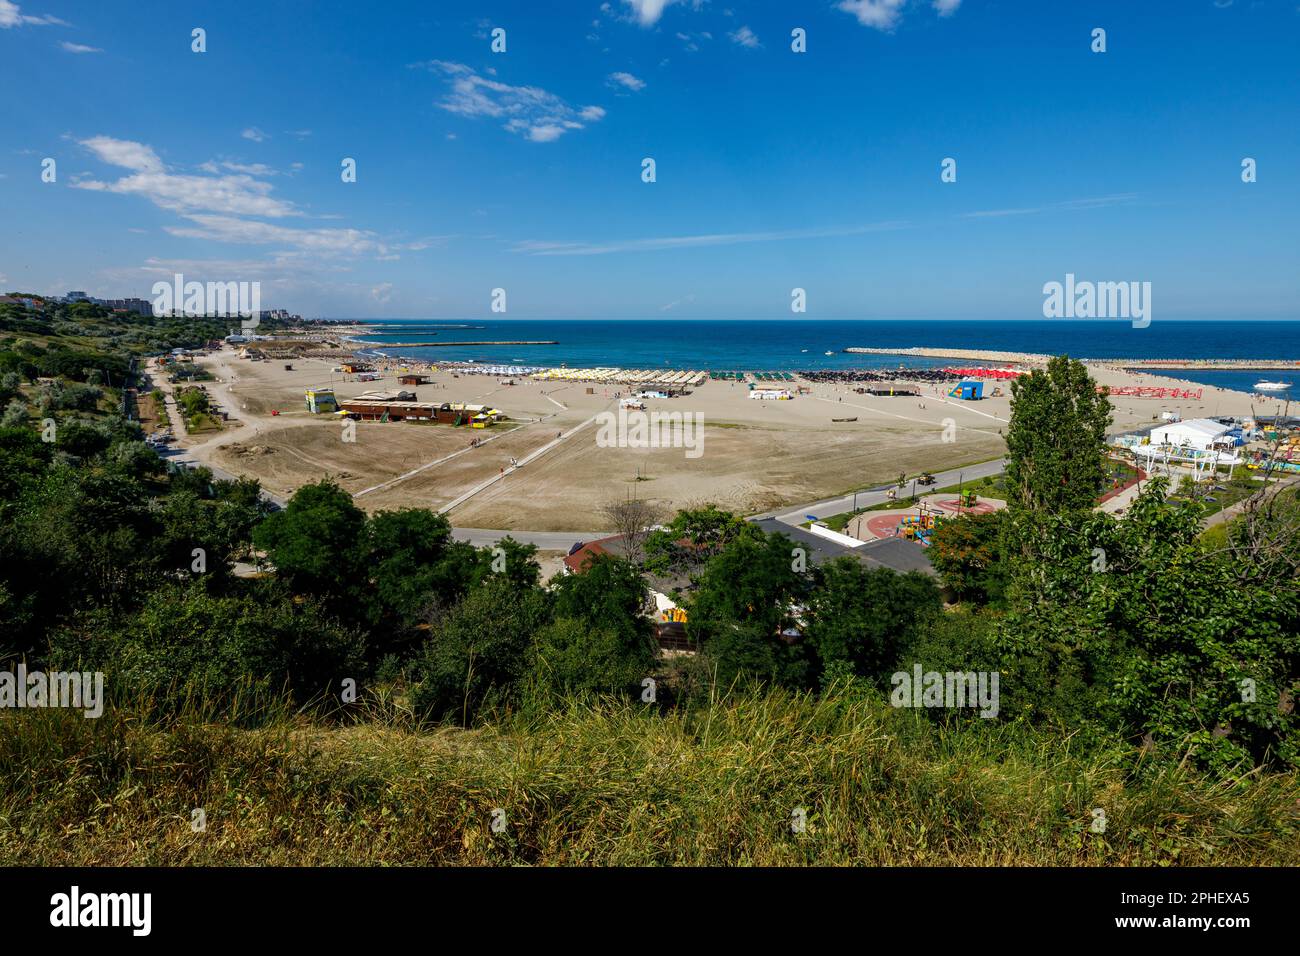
(616, 783)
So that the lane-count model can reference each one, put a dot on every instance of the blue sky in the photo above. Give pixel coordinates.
(775, 170)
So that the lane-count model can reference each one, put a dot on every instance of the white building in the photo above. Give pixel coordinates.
(1199, 433)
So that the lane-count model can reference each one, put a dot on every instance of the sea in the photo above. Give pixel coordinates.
(799, 344)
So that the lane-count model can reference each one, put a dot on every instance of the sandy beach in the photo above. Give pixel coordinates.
(756, 455)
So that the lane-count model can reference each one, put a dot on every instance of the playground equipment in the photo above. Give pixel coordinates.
(919, 528)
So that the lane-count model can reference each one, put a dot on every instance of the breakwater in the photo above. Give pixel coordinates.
(1225, 365)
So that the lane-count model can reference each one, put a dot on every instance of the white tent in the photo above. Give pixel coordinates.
(1199, 433)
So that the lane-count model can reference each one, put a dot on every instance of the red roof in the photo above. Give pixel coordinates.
(577, 561)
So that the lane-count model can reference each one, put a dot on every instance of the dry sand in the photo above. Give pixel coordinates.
(757, 455)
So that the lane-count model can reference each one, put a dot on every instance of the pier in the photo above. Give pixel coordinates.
(977, 355)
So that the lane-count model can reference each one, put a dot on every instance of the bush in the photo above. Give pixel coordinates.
(185, 640)
(479, 653)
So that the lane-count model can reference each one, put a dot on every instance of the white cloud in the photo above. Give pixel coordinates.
(11, 16)
(592, 248)
(530, 111)
(691, 40)
(249, 169)
(879, 14)
(237, 194)
(299, 133)
(124, 153)
(382, 292)
(79, 48)
(250, 232)
(628, 80)
(745, 37)
(255, 134)
(946, 8)
(214, 206)
(648, 12)
(1095, 202)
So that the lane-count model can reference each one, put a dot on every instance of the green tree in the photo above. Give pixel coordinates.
(601, 639)
(318, 545)
(478, 655)
(1056, 441)
(743, 611)
(415, 567)
(967, 553)
(867, 617)
(693, 537)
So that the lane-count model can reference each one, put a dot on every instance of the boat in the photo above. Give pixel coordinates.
(830, 353)
(1272, 386)
(854, 419)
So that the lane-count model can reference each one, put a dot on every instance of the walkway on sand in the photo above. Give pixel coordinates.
(532, 456)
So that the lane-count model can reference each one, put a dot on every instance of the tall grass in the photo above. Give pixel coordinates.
(613, 782)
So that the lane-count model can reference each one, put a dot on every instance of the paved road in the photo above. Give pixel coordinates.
(563, 540)
(545, 540)
(828, 507)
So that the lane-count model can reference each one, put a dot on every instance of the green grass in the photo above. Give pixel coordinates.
(616, 784)
(1238, 489)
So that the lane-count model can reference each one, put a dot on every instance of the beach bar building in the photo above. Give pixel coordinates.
(369, 410)
(321, 400)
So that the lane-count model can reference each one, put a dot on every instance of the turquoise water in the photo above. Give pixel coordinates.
(802, 344)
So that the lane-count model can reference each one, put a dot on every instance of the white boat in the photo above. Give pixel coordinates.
(1272, 386)
(830, 353)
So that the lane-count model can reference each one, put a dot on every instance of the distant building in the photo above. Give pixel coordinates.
(138, 306)
(26, 301)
